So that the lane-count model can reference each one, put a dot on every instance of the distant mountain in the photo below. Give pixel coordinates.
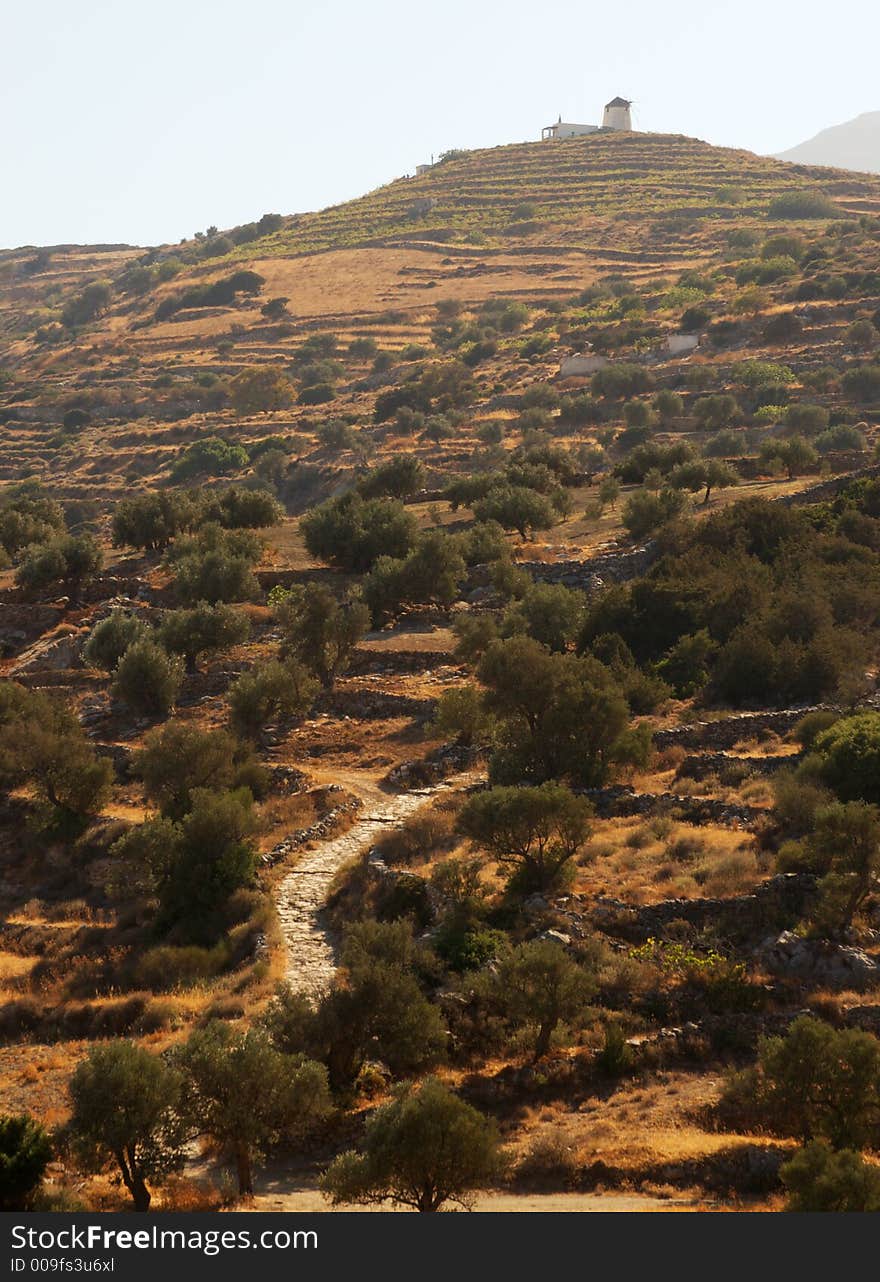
(854, 145)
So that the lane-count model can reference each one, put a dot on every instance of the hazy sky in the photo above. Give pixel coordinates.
(142, 122)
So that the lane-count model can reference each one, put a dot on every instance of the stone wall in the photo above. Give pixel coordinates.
(776, 904)
(364, 661)
(726, 731)
(374, 705)
(328, 824)
(621, 800)
(25, 622)
(828, 489)
(615, 567)
(717, 763)
(450, 759)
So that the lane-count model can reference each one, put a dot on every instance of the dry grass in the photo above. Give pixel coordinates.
(647, 861)
(644, 1124)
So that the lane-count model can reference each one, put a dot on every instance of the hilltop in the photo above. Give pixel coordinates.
(853, 145)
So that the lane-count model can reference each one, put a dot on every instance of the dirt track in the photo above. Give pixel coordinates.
(303, 892)
(309, 1200)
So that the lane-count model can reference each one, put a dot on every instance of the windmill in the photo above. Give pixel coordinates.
(617, 115)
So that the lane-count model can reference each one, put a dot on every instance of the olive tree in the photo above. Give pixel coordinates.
(203, 629)
(423, 1149)
(815, 1082)
(540, 986)
(320, 631)
(110, 638)
(69, 559)
(819, 1179)
(125, 1110)
(147, 679)
(178, 758)
(43, 745)
(246, 1095)
(269, 690)
(535, 831)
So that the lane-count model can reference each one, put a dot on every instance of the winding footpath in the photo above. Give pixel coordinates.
(303, 891)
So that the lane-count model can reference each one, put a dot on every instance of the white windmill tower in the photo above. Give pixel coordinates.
(617, 115)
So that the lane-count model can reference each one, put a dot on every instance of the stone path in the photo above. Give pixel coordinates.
(303, 892)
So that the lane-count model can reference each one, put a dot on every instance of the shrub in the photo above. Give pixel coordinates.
(317, 394)
(259, 390)
(43, 744)
(460, 714)
(862, 383)
(396, 479)
(246, 1095)
(812, 725)
(539, 986)
(25, 1152)
(204, 629)
(270, 690)
(805, 419)
(716, 411)
(216, 565)
(151, 521)
(210, 456)
(620, 380)
(28, 516)
(431, 573)
(786, 245)
(815, 1083)
(211, 858)
(517, 508)
(862, 334)
(820, 1179)
(802, 204)
(842, 437)
(178, 758)
(559, 716)
(535, 831)
(850, 754)
(69, 559)
(644, 512)
(782, 328)
(380, 1009)
(353, 532)
(320, 631)
(88, 304)
(219, 293)
(147, 679)
(109, 639)
(236, 508)
(550, 613)
(845, 845)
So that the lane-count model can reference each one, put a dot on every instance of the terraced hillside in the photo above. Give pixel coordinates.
(554, 470)
(569, 184)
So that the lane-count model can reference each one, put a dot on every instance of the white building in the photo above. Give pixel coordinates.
(617, 115)
(682, 344)
(564, 129)
(580, 366)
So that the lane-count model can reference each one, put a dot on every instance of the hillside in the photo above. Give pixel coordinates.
(557, 465)
(853, 145)
(534, 223)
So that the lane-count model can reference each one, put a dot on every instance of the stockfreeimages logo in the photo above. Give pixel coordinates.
(94, 1237)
